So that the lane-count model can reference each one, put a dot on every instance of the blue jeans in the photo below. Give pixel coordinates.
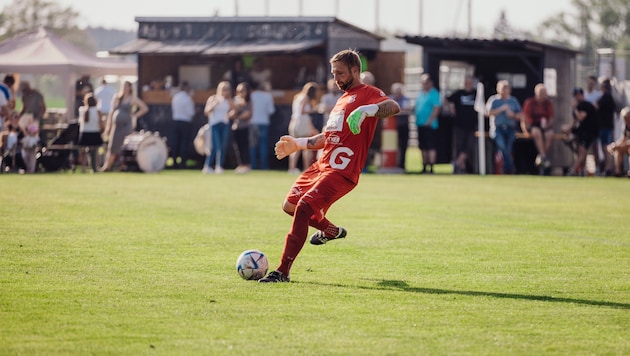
(220, 137)
(258, 141)
(504, 140)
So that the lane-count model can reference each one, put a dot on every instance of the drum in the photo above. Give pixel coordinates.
(144, 151)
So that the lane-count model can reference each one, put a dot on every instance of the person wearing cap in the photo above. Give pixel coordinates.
(585, 129)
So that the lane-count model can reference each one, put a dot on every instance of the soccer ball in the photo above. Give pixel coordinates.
(252, 265)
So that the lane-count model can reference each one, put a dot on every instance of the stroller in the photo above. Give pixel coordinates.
(60, 151)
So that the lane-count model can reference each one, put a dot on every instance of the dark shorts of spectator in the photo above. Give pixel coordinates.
(464, 140)
(426, 138)
(538, 124)
(585, 139)
(606, 136)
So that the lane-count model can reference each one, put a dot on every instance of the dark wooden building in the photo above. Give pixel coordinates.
(201, 49)
(523, 63)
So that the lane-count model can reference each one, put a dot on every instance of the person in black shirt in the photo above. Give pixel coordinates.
(462, 103)
(606, 108)
(585, 129)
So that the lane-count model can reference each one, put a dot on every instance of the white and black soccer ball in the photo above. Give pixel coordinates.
(252, 265)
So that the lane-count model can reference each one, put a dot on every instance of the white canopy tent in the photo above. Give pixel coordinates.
(40, 51)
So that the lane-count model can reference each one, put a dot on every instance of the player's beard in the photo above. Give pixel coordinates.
(344, 86)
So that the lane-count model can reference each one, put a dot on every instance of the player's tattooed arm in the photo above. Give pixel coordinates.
(316, 142)
(387, 108)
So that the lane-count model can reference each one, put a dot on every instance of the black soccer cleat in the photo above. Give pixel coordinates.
(274, 277)
(319, 238)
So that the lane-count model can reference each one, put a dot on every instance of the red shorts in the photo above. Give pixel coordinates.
(319, 189)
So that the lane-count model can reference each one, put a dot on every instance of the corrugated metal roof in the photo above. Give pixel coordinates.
(143, 46)
(262, 47)
(481, 43)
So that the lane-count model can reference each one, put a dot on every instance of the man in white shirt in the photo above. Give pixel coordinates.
(592, 92)
(183, 110)
(262, 108)
(104, 94)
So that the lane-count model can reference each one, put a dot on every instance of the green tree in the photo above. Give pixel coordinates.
(592, 24)
(23, 15)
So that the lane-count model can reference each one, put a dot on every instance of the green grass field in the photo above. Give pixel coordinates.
(133, 264)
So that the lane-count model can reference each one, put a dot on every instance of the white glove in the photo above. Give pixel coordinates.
(356, 117)
(289, 144)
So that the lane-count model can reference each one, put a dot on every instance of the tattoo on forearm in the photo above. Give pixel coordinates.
(316, 141)
(387, 109)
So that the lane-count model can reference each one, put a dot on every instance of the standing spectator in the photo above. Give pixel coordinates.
(217, 109)
(237, 73)
(82, 87)
(621, 148)
(538, 120)
(32, 102)
(402, 121)
(183, 110)
(258, 74)
(90, 128)
(606, 108)
(345, 143)
(241, 116)
(301, 124)
(592, 93)
(104, 95)
(462, 103)
(428, 105)
(585, 129)
(127, 108)
(262, 108)
(504, 111)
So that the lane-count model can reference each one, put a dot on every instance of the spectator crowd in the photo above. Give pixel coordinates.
(239, 121)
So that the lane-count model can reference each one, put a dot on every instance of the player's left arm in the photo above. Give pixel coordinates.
(387, 108)
(382, 109)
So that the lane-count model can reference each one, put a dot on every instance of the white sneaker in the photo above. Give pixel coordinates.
(242, 170)
(295, 171)
(207, 170)
(219, 170)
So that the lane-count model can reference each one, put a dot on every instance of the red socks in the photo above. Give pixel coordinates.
(302, 219)
(296, 237)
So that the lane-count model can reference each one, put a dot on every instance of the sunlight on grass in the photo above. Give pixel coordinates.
(132, 263)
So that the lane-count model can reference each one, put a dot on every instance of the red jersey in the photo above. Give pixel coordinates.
(343, 151)
(535, 110)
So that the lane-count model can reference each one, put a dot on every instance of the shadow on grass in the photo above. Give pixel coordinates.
(403, 286)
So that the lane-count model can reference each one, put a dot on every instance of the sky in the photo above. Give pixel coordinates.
(439, 17)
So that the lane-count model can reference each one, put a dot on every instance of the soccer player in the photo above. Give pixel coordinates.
(344, 143)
